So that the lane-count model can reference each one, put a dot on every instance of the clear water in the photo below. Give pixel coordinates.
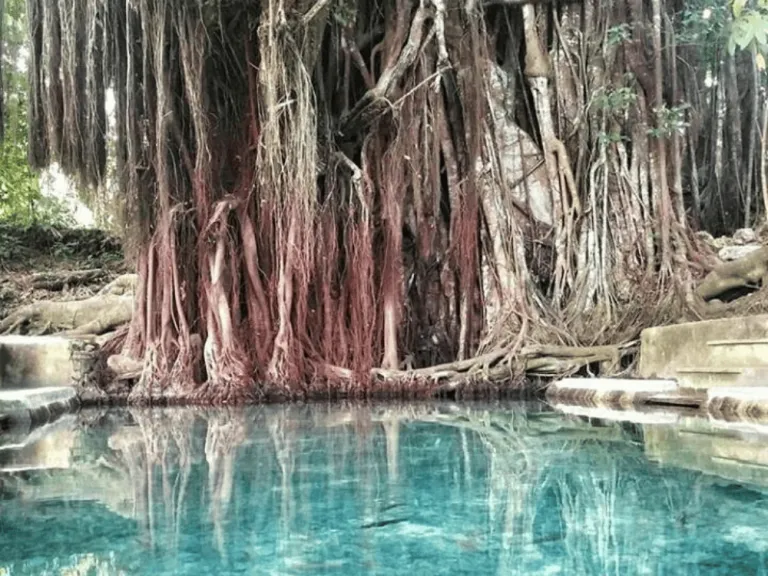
(416, 489)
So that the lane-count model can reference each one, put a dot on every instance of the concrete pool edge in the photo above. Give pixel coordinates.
(621, 398)
(34, 407)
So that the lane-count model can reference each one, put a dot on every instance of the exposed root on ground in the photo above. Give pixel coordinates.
(94, 315)
(504, 364)
(61, 279)
(748, 271)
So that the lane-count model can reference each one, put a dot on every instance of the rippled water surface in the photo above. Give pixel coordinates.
(414, 489)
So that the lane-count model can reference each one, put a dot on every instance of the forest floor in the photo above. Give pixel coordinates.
(43, 263)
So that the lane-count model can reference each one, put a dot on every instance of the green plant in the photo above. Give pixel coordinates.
(669, 121)
(21, 199)
(749, 29)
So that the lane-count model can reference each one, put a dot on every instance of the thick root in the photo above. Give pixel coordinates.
(503, 365)
(120, 286)
(747, 271)
(59, 280)
(91, 316)
(125, 368)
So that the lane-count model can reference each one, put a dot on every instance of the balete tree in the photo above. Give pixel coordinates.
(328, 193)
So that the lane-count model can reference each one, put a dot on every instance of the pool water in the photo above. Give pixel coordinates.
(422, 489)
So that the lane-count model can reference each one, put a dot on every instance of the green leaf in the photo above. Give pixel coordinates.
(731, 45)
(738, 6)
(757, 24)
(741, 33)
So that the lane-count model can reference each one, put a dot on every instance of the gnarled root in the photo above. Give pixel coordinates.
(124, 367)
(59, 280)
(501, 365)
(229, 378)
(125, 284)
(94, 315)
(746, 271)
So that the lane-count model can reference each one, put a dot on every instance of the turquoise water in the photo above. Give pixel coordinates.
(413, 489)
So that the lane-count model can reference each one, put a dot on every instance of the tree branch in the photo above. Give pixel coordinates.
(314, 11)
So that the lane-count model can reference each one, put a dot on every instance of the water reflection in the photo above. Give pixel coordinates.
(442, 488)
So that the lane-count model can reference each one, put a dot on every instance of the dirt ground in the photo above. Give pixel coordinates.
(54, 264)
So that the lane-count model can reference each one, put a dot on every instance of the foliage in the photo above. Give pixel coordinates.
(670, 120)
(704, 24)
(616, 101)
(21, 199)
(28, 245)
(618, 34)
(749, 29)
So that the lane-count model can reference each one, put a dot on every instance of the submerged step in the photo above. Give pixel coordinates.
(757, 393)
(47, 447)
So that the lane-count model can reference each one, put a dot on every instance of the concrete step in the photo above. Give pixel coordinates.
(614, 385)
(642, 416)
(32, 407)
(35, 362)
(682, 398)
(737, 353)
(705, 377)
(723, 343)
(749, 394)
(607, 391)
(739, 402)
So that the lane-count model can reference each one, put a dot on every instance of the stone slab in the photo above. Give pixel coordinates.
(607, 391)
(617, 384)
(703, 379)
(738, 352)
(35, 362)
(35, 406)
(661, 417)
(665, 349)
(746, 393)
(747, 402)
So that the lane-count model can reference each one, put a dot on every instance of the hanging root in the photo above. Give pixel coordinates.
(326, 195)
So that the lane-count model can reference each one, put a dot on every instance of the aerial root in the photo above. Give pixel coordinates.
(502, 365)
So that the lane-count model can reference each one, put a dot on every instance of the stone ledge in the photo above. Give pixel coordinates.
(617, 384)
(34, 407)
(738, 402)
(607, 391)
(665, 417)
(665, 349)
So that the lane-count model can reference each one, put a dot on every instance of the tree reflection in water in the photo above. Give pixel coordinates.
(356, 488)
